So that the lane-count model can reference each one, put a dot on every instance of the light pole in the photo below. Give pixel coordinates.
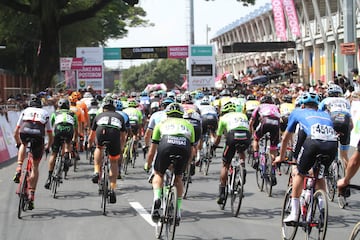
(208, 29)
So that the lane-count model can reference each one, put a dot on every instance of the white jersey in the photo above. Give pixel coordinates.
(207, 109)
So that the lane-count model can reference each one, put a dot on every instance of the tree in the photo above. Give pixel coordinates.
(167, 71)
(36, 26)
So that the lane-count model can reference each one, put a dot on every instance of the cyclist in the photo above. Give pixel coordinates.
(286, 107)
(136, 120)
(32, 124)
(93, 110)
(351, 169)
(108, 126)
(316, 136)
(235, 127)
(64, 123)
(265, 118)
(81, 104)
(339, 110)
(81, 121)
(173, 136)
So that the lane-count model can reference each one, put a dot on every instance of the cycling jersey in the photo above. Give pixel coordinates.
(156, 118)
(286, 108)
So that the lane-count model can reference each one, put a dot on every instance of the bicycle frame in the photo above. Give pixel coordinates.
(104, 179)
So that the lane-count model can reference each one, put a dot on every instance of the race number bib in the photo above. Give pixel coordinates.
(323, 132)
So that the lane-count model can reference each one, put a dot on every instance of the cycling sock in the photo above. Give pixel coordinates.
(157, 193)
(50, 173)
(179, 203)
(96, 167)
(113, 185)
(294, 205)
(321, 203)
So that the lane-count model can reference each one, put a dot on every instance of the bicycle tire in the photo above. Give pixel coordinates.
(105, 188)
(186, 181)
(22, 194)
(237, 195)
(75, 165)
(259, 178)
(355, 233)
(317, 226)
(330, 181)
(171, 214)
(287, 232)
(222, 206)
(133, 158)
(55, 183)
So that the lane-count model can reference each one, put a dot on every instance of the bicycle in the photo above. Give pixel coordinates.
(313, 218)
(128, 154)
(23, 186)
(187, 176)
(103, 182)
(265, 172)
(355, 233)
(334, 174)
(56, 177)
(234, 187)
(169, 204)
(207, 153)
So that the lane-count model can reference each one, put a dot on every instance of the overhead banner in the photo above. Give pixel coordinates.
(201, 67)
(144, 53)
(292, 17)
(92, 72)
(69, 63)
(279, 19)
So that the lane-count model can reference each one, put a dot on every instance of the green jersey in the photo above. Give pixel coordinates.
(63, 117)
(174, 127)
(232, 121)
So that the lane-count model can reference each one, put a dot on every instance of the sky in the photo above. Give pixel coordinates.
(172, 24)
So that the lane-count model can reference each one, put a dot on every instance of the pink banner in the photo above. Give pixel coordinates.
(4, 154)
(279, 19)
(178, 51)
(292, 17)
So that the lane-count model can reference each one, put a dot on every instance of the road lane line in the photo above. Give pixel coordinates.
(143, 213)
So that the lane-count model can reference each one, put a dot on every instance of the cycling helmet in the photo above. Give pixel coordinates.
(205, 101)
(76, 95)
(228, 107)
(144, 94)
(240, 95)
(170, 94)
(199, 95)
(166, 102)
(35, 102)
(225, 92)
(267, 99)
(73, 99)
(334, 90)
(155, 106)
(191, 114)
(88, 95)
(108, 103)
(118, 105)
(186, 98)
(310, 97)
(174, 110)
(132, 103)
(63, 104)
(94, 102)
(298, 101)
(251, 97)
(287, 98)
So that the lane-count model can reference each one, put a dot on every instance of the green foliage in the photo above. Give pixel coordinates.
(244, 2)
(167, 71)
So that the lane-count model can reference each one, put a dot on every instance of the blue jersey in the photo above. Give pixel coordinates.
(126, 119)
(315, 124)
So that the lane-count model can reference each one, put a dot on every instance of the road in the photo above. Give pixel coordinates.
(76, 213)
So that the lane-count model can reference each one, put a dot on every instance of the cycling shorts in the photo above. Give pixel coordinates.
(270, 125)
(197, 127)
(172, 145)
(283, 122)
(109, 134)
(341, 124)
(236, 140)
(38, 144)
(62, 133)
(310, 149)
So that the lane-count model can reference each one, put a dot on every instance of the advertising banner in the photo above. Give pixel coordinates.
(92, 72)
(279, 19)
(178, 51)
(201, 64)
(292, 17)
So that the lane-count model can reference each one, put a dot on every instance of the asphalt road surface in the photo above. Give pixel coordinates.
(76, 213)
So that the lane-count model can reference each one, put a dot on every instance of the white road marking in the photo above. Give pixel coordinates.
(143, 213)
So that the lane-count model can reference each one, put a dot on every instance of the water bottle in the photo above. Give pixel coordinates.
(307, 196)
(309, 183)
(321, 171)
(303, 204)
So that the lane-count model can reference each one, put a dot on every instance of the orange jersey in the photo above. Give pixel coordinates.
(84, 108)
(79, 113)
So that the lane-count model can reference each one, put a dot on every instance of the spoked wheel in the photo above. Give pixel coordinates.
(269, 176)
(342, 202)
(104, 190)
(330, 186)
(170, 214)
(288, 232)
(237, 196)
(222, 206)
(319, 217)
(186, 180)
(22, 195)
(259, 179)
(54, 185)
(133, 158)
(126, 163)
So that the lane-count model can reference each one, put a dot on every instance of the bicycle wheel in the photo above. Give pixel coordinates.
(186, 180)
(355, 233)
(133, 157)
(319, 217)
(237, 195)
(269, 178)
(104, 189)
(22, 194)
(170, 214)
(222, 206)
(259, 178)
(288, 232)
(330, 181)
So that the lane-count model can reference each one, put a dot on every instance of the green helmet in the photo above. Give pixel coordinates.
(228, 107)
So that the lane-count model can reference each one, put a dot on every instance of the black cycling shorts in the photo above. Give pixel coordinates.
(268, 125)
(63, 133)
(341, 124)
(37, 146)
(112, 135)
(172, 145)
(284, 122)
(236, 140)
(310, 149)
